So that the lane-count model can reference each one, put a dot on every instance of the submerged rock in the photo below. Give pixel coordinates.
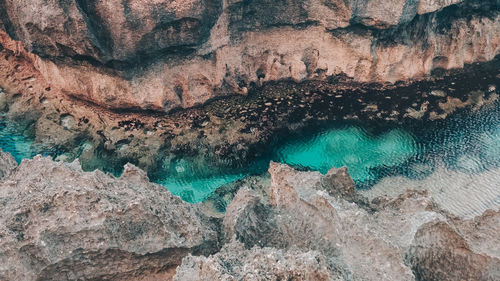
(60, 223)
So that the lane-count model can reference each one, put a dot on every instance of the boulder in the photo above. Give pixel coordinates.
(234, 262)
(439, 252)
(60, 223)
(7, 163)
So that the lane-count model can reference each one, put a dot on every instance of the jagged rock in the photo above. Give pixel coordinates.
(366, 243)
(59, 223)
(234, 262)
(440, 253)
(7, 163)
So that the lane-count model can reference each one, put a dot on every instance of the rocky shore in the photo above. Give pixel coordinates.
(116, 93)
(229, 132)
(60, 223)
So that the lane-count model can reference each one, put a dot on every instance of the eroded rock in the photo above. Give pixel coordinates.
(7, 163)
(60, 223)
(234, 262)
(166, 55)
(440, 253)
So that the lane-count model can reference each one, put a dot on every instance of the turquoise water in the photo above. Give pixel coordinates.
(349, 146)
(467, 142)
(194, 182)
(15, 143)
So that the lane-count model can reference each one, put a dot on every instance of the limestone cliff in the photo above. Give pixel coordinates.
(165, 54)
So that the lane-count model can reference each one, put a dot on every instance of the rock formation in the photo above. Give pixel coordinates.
(169, 54)
(94, 80)
(58, 223)
(402, 238)
(7, 163)
(234, 262)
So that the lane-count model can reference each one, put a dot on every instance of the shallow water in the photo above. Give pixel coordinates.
(467, 142)
(453, 159)
(15, 143)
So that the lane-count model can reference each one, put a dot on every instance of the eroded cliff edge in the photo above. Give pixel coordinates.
(170, 54)
(58, 222)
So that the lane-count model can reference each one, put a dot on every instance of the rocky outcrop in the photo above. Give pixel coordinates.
(171, 54)
(402, 238)
(59, 223)
(440, 253)
(7, 163)
(234, 262)
(111, 31)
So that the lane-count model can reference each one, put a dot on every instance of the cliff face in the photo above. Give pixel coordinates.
(164, 54)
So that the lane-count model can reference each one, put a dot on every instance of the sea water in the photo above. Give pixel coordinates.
(380, 161)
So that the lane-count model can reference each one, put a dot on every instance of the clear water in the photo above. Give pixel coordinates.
(15, 143)
(350, 146)
(468, 143)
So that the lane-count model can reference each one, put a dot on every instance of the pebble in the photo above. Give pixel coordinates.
(438, 93)
(268, 104)
(492, 88)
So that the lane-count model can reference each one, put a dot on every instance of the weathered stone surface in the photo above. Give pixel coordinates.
(109, 30)
(59, 223)
(7, 163)
(440, 253)
(403, 238)
(169, 54)
(301, 214)
(428, 6)
(384, 14)
(234, 262)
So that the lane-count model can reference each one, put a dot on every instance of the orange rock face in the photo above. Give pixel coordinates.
(163, 55)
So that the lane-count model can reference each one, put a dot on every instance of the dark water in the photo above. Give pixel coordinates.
(468, 142)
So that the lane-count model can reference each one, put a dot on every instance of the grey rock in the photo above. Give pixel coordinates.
(301, 214)
(59, 223)
(440, 253)
(7, 163)
(234, 262)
